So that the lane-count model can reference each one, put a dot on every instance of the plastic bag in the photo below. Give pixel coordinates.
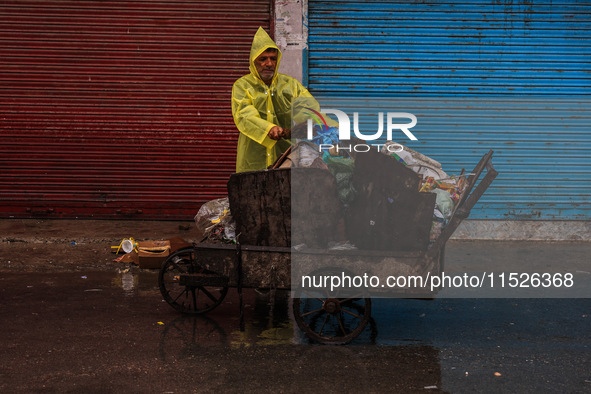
(444, 203)
(214, 219)
(307, 154)
(324, 135)
(342, 169)
(418, 162)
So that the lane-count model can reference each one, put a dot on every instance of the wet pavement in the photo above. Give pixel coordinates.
(74, 320)
(110, 331)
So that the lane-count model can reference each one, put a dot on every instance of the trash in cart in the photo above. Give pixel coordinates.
(380, 196)
(214, 220)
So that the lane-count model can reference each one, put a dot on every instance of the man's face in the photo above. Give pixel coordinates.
(266, 64)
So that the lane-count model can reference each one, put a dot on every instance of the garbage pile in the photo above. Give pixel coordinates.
(433, 179)
(215, 221)
(149, 254)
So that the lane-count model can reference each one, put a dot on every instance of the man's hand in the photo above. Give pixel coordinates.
(276, 133)
(286, 134)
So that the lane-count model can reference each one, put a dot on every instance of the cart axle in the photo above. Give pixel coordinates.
(201, 280)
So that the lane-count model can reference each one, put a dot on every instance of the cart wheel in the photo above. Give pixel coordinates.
(329, 319)
(187, 298)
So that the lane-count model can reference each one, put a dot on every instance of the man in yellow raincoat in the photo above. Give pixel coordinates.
(261, 106)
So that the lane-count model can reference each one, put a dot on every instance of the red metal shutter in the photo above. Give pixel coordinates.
(119, 109)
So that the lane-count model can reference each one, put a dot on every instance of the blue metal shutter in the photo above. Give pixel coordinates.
(538, 51)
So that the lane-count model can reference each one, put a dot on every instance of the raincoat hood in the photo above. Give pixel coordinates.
(260, 43)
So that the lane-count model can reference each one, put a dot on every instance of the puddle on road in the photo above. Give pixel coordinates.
(136, 282)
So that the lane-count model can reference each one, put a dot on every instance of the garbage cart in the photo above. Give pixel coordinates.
(388, 224)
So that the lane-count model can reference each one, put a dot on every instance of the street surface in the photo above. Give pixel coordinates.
(101, 332)
(74, 320)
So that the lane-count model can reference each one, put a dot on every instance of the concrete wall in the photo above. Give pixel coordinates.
(291, 35)
(525, 230)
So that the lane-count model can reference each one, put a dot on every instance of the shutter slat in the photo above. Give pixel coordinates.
(119, 109)
(441, 51)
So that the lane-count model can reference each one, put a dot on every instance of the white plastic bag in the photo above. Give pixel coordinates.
(419, 163)
(306, 154)
(214, 217)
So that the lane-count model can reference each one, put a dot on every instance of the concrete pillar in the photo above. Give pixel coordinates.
(291, 36)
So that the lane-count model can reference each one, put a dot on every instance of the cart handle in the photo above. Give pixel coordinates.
(468, 200)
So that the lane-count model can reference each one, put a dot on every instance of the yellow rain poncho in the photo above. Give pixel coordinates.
(257, 108)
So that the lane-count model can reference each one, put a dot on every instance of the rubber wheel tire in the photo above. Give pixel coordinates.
(186, 298)
(335, 318)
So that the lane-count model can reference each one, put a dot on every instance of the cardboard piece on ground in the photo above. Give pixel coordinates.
(177, 243)
(130, 257)
(151, 254)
